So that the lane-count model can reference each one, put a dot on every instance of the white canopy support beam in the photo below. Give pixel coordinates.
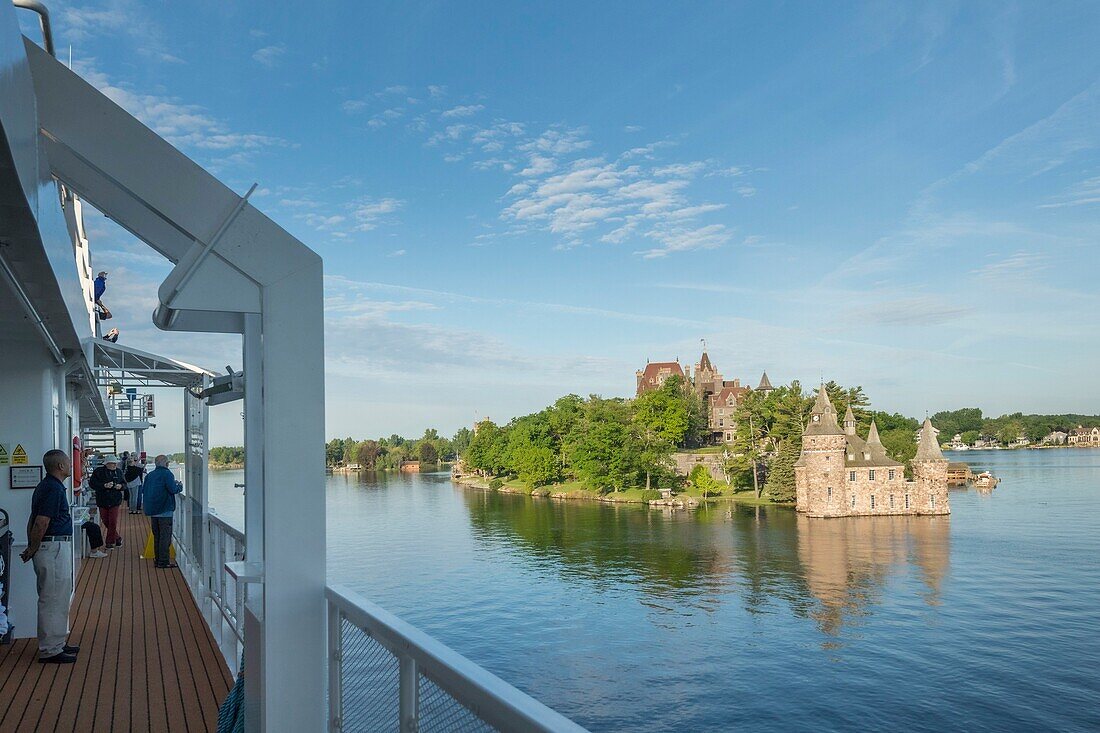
(236, 272)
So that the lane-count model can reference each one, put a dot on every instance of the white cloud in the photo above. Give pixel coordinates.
(397, 253)
(368, 213)
(269, 56)
(353, 106)
(468, 110)
(1012, 269)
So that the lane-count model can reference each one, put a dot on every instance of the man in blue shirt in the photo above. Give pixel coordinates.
(158, 494)
(49, 534)
(100, 287)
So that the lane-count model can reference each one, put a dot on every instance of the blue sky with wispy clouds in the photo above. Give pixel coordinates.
(517, 201)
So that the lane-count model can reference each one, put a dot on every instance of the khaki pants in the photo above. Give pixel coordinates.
(53, 566)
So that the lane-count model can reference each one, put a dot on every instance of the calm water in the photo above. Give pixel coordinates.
(633, 619)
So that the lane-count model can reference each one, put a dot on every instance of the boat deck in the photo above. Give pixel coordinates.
(147, 659)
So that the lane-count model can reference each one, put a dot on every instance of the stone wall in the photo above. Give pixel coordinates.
(713, 461)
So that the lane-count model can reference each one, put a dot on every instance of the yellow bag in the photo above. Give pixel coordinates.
(150, 554)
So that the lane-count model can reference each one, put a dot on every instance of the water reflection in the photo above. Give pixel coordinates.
(833, 571)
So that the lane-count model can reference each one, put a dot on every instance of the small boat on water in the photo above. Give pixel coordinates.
(986, 480)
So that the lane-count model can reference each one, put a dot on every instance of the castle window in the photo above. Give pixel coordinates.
(872, 501)
(933, 500)
(851, 475)
(871, 474)
(866, 456)
(890, 474)
(853, 502)
(907, 501)
(891, 501)
(829, 492)
(817, 418)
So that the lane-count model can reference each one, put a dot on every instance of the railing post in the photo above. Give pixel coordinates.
(410, 696)
(335, 668)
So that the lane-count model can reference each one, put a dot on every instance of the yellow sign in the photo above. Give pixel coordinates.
(4, 457)
(19, 455)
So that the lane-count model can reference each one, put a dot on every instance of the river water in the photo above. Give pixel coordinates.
(633, 619)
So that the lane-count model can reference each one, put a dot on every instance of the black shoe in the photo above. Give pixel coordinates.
(61, 658)
(70, 649)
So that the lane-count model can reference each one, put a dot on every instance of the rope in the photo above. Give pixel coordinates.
(231, 713)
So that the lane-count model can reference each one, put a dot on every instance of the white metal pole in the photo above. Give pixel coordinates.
(254, 633)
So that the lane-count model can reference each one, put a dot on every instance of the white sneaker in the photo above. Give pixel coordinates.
(98, 553)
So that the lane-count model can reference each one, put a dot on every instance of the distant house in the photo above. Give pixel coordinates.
(656, 373)
(1056, 437)
(1083, 437)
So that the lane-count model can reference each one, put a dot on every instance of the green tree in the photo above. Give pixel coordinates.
(968, 437)
(604, 455)
(1009, 432)
(426, 452)
(780, 483)
(367, 454)
(703, 482)
(460, 442)
(661, 419)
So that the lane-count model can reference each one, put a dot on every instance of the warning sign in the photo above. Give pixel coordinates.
(19, 456)
(5, 456)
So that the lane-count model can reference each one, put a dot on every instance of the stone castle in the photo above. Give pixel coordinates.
(840, 474)
(719, 396)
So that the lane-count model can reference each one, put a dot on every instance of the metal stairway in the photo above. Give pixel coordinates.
(104, 441)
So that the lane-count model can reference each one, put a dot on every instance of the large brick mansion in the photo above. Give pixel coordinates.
(719, 396)
(840, 474)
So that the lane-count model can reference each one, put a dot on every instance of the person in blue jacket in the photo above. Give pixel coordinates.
(158, 495)
(100, 285)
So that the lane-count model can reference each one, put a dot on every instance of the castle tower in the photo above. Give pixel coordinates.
(930, 473)
(819, 472)
(708, 381)
(850, 422)
(765, 385)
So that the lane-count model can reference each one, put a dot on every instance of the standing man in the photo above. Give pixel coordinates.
(159, 495)
(49, 532)
(135, 479)
(108, 482)
(100, 285)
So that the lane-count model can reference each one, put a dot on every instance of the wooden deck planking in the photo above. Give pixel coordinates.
(147, 659)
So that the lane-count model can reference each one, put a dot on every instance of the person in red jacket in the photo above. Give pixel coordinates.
(108, 483)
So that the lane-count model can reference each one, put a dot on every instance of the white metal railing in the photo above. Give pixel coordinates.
(220, 595)
(385, 674)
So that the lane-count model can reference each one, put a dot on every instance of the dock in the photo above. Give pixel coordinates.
(147, 661)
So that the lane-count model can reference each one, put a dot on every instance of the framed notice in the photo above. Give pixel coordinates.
(25, 477)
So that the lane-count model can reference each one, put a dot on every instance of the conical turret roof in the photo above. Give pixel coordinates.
(704, 362)
(872, 435)
(929, 447)
(764, 383)
(823, 416)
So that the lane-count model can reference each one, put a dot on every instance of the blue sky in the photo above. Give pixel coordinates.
(519, 201)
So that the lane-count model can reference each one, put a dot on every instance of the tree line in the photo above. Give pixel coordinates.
(388, 453)
(970, 425)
